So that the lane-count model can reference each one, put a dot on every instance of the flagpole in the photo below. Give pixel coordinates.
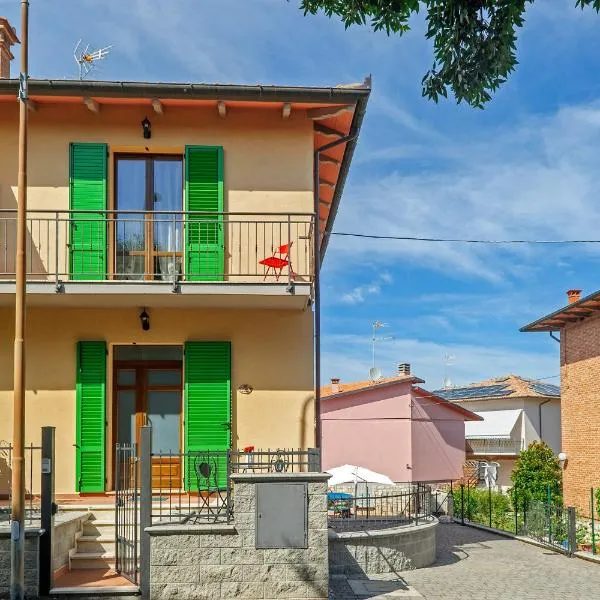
(17, 572)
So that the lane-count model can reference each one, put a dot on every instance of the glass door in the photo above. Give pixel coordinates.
(151, 394)
(148, 222)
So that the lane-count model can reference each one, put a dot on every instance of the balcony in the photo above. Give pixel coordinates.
(100, 257)
(493, 446)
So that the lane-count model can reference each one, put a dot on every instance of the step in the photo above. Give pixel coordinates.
(95, 543)
(92, 560)
(124, 592)
(99, 527)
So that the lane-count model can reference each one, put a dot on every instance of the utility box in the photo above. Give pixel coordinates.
(281, 515)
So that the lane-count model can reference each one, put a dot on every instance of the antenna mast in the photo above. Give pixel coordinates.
(86, 59)
(448, 362)
(374, 339)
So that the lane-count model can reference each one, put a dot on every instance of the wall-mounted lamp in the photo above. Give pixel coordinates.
(245, 389)
(562, 459)
(145, 320)
(147, 128)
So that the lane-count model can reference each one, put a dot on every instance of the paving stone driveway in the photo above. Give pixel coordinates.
(476, 565)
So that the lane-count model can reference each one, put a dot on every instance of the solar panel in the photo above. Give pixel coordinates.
(546, 389)
(484, 391)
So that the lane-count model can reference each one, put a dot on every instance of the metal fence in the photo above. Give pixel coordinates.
(548, 522)
(195, 486)
(347, 512)
(586, 533)
(33, 457)
(178, 246)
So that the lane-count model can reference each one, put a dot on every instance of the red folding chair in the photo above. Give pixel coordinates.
(279, 260)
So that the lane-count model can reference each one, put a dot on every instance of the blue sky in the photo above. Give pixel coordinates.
(525, 167)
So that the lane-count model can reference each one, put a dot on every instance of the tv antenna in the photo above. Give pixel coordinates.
(448, 362)
(377, 325)
(86, 58)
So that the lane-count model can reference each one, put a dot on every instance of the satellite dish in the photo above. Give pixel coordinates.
(375, 374)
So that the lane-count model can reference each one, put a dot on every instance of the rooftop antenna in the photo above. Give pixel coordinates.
(86, 58)
(448, 362)
(374, 339)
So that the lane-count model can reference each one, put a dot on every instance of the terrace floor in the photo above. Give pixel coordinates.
(477, 565)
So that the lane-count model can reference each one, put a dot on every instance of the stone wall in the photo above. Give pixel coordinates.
(375, 552)
(32, 539)
(222, 561)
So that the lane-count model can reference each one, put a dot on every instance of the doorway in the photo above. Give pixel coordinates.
(148, 390)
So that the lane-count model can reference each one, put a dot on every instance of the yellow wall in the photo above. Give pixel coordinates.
(267, 167)
(271, 350)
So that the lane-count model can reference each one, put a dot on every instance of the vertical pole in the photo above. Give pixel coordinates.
(145, 508)
(572, 530)
(47, 511)
(17, 569)
(462, 503)
(490, 501)
(516, 506)
(593, 521)
(549, 512)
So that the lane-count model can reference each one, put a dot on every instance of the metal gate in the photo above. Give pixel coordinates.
(126, 512)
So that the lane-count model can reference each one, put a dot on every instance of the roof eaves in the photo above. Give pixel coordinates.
(471, 416)
(133, 89)
(359, 114)
(554, 322)
(373, 386)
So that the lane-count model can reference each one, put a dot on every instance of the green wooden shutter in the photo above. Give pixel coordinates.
(207, 408)
(91, 410)
(204, 245)
(88, 189)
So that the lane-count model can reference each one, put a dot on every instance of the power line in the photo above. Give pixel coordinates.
(407, 238)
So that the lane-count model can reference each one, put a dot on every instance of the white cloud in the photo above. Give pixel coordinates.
(538, 181)
(357, 294)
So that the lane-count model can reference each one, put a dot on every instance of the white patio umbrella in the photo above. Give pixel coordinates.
(354, 474)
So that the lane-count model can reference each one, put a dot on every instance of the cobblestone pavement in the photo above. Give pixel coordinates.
(477, 565)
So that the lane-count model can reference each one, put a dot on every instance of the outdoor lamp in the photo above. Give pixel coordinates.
(562, 459)
(245, 389)
(147, 128)
(145, 320)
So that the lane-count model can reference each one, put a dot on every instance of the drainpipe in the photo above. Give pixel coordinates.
(540, 417)
(556, 339)
(317, 280)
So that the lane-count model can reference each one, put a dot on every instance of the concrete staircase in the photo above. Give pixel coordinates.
(95, 544)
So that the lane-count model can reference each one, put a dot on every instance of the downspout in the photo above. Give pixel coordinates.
(556, 339)
(317, 280)
(540, 417)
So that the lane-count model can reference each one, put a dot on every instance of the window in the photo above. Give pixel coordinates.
(148, 235)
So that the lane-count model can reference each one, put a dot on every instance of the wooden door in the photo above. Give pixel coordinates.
(150, 393)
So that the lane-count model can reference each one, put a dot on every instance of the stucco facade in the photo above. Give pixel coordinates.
(260, 182)
(392, 429)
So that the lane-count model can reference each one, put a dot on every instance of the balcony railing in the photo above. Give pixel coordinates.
(178, 247)
(483, 446)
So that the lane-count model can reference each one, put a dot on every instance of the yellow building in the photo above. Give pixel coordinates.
(172, 237)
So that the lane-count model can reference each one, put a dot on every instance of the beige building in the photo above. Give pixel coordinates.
(514, 413)
(172, 234)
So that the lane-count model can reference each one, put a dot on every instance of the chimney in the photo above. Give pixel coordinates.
(8, 37)
(404, 369)
(335, 385)
(573, 296)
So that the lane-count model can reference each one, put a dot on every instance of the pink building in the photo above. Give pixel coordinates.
(394, 427)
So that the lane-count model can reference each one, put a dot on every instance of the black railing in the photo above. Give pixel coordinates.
(550, 522)
(276, 461)
(33, 457)
(126, 511)
(348, 512)
(176, 247)
(195, 487)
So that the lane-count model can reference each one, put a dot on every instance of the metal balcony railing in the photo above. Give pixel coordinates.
(493, 446)
(135, 246)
